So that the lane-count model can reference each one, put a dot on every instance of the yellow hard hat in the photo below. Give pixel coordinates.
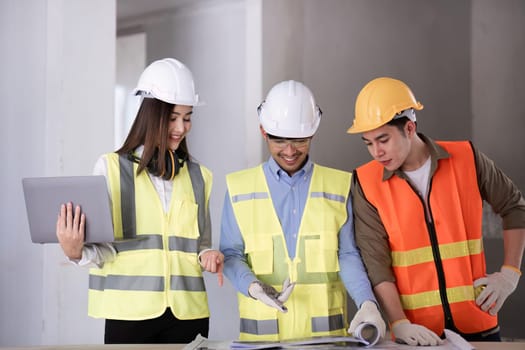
(379, 101)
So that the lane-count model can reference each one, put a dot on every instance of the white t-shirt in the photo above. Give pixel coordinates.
(419, 179)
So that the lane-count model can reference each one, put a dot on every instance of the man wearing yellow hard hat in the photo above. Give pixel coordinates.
(418, 222)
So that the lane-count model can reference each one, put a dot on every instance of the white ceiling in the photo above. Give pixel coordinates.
(127, 9)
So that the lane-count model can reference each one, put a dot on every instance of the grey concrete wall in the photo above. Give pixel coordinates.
(498, 53)
(424, 43)
(462, 60)
(56, 93)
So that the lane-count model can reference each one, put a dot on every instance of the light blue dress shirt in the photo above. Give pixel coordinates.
(289, 198)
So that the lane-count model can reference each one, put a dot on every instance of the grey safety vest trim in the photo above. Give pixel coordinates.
(249, 196)
(145, 283)
(329, 196)
(187, 283)
(197, 182)
(327, 324)
(264, 195)
(264, 327)
(121, 282)
(142, 242)
(319, 324)
(188, 245)
(127, 198)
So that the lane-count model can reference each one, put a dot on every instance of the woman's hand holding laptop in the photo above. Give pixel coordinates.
(70, 230)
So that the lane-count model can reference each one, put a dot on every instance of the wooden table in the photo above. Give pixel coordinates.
(477, 345)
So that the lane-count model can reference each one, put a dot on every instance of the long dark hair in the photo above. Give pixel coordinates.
(150, 128)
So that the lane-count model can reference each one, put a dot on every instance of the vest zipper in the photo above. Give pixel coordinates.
(449, 321)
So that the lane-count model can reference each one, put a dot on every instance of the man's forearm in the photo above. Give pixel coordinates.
(513, 245)
(388, 297)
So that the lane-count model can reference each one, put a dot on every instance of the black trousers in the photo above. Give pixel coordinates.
(489, 335)
(164, 329)
(483, 337)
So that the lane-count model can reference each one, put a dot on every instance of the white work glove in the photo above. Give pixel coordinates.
(270, 296)
(498, 286)
(414, 334)
(368, 313)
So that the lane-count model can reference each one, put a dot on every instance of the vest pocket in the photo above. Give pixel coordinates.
(186, 222)
(328, 309)
(260, 253)
(321, 253)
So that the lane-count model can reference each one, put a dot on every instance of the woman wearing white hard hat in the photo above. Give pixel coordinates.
(148, 284)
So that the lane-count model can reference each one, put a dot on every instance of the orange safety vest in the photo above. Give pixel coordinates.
(435, 263)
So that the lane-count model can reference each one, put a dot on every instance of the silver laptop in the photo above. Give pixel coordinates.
(44, 195)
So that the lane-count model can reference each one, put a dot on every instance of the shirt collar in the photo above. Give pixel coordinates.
(277, 172)
(139, 150)
(436, 153)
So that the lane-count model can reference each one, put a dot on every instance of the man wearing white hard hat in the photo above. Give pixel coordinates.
(149, 286)
(287, 233)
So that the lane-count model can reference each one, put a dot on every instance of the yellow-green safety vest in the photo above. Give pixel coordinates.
(158, 269)
(317, 306)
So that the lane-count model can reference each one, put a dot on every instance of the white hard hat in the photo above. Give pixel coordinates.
(170, 81)
(289, 111)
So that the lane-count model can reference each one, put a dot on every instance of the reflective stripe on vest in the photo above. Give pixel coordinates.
(446, 250)
(271, 327)
(159, 268)
(259, 327)
(188, 245)
(145, 283)
(451, 243)
(127, 198)
(317, 306)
